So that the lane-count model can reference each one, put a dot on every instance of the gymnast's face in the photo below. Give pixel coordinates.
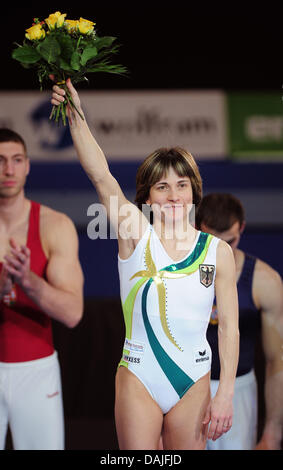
(231, 236)
(171, 197)
(14, 168)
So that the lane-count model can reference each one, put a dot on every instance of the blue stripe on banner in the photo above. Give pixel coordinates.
(215, 174)
(228, 174)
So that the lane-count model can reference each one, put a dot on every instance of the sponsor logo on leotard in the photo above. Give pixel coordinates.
(201, 356)
(206, 272)
(134, 346)
(131, 359)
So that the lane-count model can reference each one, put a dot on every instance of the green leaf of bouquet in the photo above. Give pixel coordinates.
(49, 49)
(26, 55)
(67, 46)
(88, 53)
(108, 68)
(76, 61)
(64, 65)
(105, 41)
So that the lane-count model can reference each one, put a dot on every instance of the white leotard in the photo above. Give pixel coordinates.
(167, 307)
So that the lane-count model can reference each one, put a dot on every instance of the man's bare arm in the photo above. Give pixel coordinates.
(61, 295)
(268, 295)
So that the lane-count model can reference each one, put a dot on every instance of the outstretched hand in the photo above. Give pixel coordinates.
(60, 94)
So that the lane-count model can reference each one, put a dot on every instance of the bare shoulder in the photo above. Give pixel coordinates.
(267, 280)
(50, 216)
(267, 288)
(56, 228)
(224, 252)
(225, 262)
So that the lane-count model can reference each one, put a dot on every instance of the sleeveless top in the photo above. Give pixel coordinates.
(25, 331)
(249, 323)
(167, 305)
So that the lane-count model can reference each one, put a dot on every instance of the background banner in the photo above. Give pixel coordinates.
(128, 124)
(255, 125)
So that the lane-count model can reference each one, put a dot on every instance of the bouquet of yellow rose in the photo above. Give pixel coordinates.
(66, 49)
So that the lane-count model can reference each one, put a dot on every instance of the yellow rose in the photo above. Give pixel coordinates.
(85, 26)
(55, 19)
(35, 32)
(71, 25)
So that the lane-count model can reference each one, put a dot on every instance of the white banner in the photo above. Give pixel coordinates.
(128, 125)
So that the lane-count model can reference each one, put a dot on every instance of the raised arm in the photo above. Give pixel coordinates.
(60, 296)
(221, 408)
(268, 295)
(95, 164)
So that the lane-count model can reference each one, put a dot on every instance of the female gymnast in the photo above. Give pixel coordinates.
(169, 273)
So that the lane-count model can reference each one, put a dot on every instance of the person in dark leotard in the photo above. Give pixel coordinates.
(260, 306)
(40, 280)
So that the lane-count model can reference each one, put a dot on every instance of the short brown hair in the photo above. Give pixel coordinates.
(158, 163)
(219, 211)
(8, 135)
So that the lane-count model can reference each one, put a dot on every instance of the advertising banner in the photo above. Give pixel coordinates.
(256, 126)
(128, 125)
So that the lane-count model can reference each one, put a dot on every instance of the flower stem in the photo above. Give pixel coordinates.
(57, 113)
(72, 104)
(52, 114)
(60, 111)
(64, 113)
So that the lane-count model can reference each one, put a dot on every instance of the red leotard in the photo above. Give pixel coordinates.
(25, 331)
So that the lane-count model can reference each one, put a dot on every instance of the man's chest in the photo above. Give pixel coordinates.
(19, 234)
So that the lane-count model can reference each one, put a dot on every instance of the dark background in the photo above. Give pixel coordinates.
(167, 45)
(175, 45)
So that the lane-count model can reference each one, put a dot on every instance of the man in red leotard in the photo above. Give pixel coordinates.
(40, 280)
